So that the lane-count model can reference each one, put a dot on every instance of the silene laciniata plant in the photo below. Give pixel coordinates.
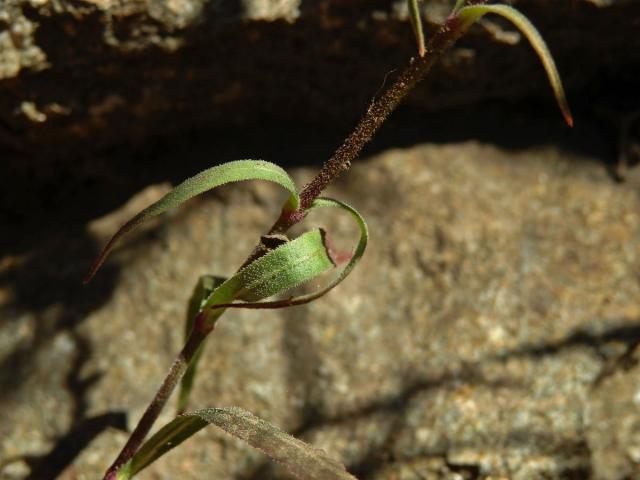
(279, 263)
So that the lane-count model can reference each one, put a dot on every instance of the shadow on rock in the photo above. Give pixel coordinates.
(395, 406)
(47, 295)
(71, 444)
(626, 334)
(47, 284)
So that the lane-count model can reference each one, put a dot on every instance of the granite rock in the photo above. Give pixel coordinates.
(491, 330)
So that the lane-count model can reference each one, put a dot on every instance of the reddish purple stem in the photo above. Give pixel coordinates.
(375, 116)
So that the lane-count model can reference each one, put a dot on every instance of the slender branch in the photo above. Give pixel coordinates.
(380, 110)
(375, 116)
(197, 336)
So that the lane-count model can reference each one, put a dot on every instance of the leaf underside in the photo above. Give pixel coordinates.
(355, 258)
(302, 460)
(283, 268)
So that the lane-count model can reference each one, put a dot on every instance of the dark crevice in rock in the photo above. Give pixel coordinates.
(129, 71)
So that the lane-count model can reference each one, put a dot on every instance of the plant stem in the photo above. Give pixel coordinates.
(375, 116)
(180, 365)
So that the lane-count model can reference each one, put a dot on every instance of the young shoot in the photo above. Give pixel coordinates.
(279, 263)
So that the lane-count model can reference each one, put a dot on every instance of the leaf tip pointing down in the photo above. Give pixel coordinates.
(472, 13)
(566, 113)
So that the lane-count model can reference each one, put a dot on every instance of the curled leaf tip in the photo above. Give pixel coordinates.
(97, 263)
(568, 117)
(130, 225)
(92, 273)
(353, 260)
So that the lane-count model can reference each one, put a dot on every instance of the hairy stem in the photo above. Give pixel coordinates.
(375, 116)
(180, 365)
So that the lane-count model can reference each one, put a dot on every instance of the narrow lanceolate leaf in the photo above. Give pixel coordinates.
(355, 258)
(302, 460)
(416, 23)
(206, 180)
(204, 288)
(472, 13)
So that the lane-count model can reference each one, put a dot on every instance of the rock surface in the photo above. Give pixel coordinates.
(493, 327)
(491, 330)
(81, 75)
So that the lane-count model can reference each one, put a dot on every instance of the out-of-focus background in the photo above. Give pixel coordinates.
(492, 328)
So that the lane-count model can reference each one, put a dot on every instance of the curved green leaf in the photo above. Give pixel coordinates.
(236, 171)
(472, 13)
(287, 266)
(281, 269)
(355, 258)
(301, 459)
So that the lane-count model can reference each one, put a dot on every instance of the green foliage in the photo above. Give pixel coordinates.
(209, 179)
(357, 254)
(203, 289)
(280, 264)
(471, 14)
(283, 268)
(301, 459)
(276, 270)
(459, 4)
(204, 295)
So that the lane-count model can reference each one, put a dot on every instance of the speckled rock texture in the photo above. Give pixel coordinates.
(78, 75)
(491, 330)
